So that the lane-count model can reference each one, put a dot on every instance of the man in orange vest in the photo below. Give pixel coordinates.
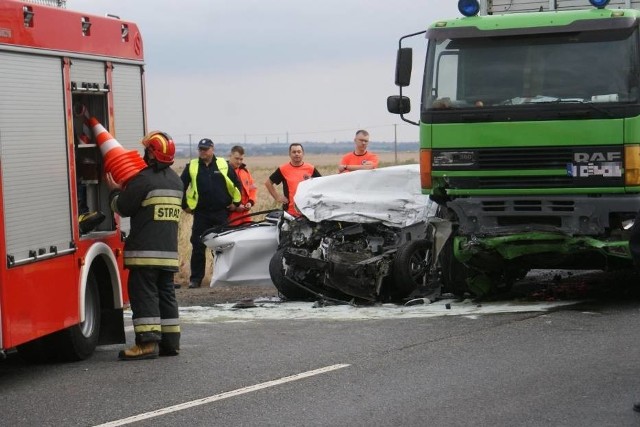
(359, 158)
(248, 190)
(290, 175)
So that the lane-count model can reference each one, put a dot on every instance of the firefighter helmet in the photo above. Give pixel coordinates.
(161, 145)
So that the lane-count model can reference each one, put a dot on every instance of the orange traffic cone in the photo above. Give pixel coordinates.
(85, 136)
(81, 111)
(122, 164)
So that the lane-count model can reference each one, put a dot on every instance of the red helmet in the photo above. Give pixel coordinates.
(161, 145)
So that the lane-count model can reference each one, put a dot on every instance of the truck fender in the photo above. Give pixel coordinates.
(103, 251)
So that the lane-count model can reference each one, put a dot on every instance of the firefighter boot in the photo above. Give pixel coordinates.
(146, 350)
(168, 351)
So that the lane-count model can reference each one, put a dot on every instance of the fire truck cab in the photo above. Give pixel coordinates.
(61, 283)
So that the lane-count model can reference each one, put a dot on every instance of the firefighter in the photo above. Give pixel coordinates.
(153, 200)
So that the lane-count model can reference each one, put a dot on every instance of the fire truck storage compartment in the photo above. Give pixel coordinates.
(128, 111)
(33, 149)
(89, 89)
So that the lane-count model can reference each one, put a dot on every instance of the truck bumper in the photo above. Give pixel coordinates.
(573, 216)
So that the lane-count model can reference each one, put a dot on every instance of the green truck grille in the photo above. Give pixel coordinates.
(526, 158)
(531, 167)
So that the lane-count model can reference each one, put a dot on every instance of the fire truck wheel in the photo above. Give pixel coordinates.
(75, 343)
(38, 351)
(78, 342)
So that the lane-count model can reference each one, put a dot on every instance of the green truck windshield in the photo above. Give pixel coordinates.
(510, 72)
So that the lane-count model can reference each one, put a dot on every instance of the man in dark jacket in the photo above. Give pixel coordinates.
(211, 192)
(153, 200)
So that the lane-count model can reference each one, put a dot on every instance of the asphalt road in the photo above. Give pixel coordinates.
(571, 366)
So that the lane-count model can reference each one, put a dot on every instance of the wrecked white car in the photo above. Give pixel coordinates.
(242, 254)
(363, 236)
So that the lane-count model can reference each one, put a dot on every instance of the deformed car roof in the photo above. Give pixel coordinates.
(390, 195)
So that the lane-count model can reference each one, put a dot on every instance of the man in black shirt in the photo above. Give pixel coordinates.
(211, 192)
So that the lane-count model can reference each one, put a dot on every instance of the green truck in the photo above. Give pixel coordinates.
(529, 136)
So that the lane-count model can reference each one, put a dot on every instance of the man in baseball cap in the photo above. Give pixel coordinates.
(211, 192)
(205, 144)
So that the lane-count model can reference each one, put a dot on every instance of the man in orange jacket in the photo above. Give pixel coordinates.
(290, 175)
(248, 190)
(360, 158)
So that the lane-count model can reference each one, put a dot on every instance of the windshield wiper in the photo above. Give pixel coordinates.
(541, 99)
(582, 102)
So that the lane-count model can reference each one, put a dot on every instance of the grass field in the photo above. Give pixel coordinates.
(260, 168)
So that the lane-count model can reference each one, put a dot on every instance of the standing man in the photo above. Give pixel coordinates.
(290, 175)
(211, 192)
(359, 158)
(248, 190)
(153, 200)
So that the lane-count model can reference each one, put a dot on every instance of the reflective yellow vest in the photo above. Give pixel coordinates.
(192, 191)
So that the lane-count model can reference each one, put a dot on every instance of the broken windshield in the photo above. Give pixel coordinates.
(581, 67)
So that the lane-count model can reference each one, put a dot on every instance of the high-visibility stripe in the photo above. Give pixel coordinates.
(165, 192)
(143, 262)
(162, 200)
(146, 328)
(223, 167)
(169, 322)
(146, 321)
(170, 329)
(151, 254)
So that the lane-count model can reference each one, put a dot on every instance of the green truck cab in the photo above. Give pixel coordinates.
(530, 136)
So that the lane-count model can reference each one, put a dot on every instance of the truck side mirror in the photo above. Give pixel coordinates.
(397, 104)
(404, 61)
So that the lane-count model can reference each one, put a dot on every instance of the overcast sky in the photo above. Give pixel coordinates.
(274, 70)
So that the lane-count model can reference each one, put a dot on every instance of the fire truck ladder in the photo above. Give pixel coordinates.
(54, 3)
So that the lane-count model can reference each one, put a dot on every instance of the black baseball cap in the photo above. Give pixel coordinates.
(205, 143)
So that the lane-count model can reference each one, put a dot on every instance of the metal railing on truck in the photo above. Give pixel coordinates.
(499, 7)
(54, 3)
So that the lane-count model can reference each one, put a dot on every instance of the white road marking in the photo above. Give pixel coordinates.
(222, 396)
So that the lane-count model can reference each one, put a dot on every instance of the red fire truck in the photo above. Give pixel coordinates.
(61, 283)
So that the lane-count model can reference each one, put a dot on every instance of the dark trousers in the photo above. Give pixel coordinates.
(154, 306)
(202, 221)
(634, 241)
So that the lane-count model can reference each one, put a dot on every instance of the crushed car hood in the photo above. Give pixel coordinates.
(390, 195)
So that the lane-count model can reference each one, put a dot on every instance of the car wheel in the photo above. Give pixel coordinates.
(410, 268)
(289, 290)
